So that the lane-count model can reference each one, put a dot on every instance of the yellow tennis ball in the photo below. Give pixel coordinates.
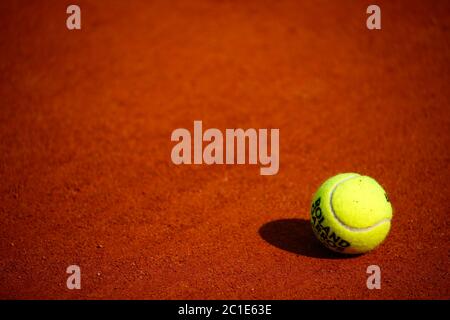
(351, 213)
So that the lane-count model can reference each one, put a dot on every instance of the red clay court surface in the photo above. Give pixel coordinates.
(85, 124)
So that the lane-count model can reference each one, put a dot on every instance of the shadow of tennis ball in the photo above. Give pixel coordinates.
(296, 236)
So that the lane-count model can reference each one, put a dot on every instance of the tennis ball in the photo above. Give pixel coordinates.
(351, 213)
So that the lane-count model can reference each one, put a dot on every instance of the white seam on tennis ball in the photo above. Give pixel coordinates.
(353, 229)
